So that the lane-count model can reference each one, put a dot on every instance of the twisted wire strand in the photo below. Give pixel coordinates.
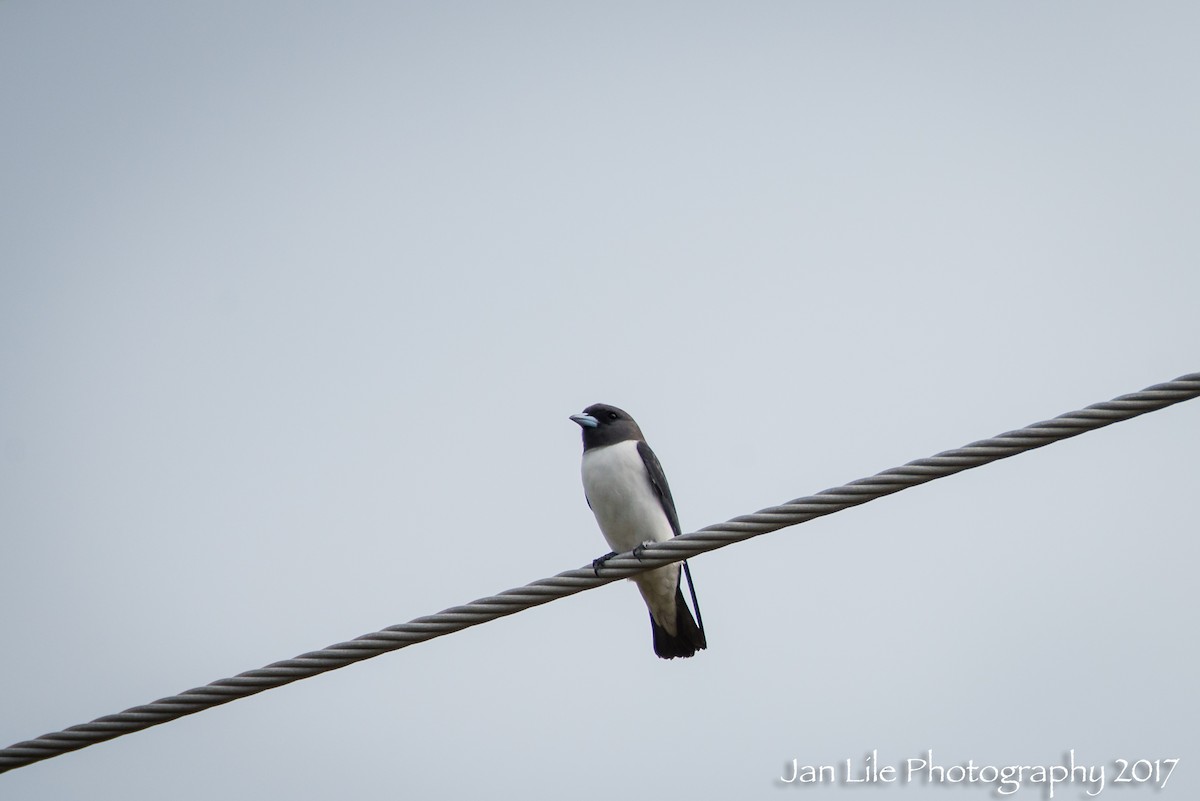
(570, 582)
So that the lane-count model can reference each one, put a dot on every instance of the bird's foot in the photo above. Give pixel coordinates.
(638, 551)
(599, 563)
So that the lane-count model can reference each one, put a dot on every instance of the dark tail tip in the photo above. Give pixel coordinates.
(687, 641)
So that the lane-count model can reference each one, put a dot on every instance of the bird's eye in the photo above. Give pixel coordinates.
(612, 415)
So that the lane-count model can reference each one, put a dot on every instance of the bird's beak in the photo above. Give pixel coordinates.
(585, 420)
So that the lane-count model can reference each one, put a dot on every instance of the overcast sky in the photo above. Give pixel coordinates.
(296, 298)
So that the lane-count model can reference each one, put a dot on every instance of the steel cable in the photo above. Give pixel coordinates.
(654, 555)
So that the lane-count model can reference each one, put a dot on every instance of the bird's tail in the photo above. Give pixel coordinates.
(688, 638)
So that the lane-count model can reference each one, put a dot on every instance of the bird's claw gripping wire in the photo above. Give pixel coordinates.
(599, 563)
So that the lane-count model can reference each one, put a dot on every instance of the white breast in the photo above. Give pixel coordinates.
(622, 498)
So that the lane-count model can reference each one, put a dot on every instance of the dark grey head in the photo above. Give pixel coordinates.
(606, 425)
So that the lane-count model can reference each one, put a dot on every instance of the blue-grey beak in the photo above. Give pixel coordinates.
(585, 420)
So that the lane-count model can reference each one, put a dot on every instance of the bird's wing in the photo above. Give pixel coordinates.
(658, 480)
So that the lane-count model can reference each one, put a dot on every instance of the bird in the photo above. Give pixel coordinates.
(627, 491)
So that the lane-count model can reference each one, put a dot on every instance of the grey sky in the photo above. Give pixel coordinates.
(295, 301)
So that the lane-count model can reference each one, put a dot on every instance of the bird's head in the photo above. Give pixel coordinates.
(606, 425)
